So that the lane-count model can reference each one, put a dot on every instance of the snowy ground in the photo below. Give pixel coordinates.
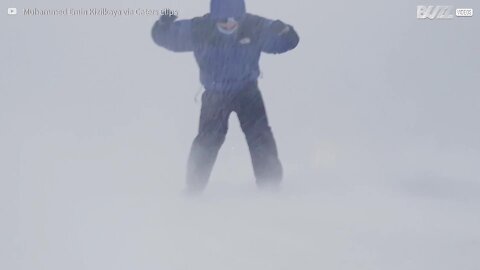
(375, 115)
(304, 226)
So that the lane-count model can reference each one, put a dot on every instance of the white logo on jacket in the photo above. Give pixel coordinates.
(245, 41)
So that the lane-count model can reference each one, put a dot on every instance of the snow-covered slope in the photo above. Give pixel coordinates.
(375, 116)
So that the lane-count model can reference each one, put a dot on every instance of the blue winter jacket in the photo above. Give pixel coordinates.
(226, 62)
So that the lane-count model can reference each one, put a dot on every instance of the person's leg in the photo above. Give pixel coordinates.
(213, 127)
(251, 112)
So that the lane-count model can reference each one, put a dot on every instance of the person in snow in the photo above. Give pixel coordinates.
(227, 44)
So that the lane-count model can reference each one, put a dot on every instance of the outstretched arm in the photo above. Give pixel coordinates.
(278, 37)
(174, 36)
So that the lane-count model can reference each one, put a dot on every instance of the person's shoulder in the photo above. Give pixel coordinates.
(252, 21)
(254, 17)
(202, 26)
(200, 19)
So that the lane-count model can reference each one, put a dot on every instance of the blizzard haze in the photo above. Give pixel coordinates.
(375, 115)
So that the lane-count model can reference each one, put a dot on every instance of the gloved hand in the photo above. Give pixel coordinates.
(168, 17)
(279, 28)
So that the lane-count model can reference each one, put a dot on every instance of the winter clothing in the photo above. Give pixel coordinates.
(222, 9)
(167, 18)
(229, 69)
(226, 62)
(215, 112)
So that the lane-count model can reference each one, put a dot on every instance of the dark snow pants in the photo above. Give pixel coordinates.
(216, 109)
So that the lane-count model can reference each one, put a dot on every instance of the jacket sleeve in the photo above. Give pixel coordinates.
(176, 36)
(275, 43)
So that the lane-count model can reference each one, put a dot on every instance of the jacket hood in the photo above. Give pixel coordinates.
(222, 9)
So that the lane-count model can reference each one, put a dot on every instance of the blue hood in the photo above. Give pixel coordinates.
(222, 9)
